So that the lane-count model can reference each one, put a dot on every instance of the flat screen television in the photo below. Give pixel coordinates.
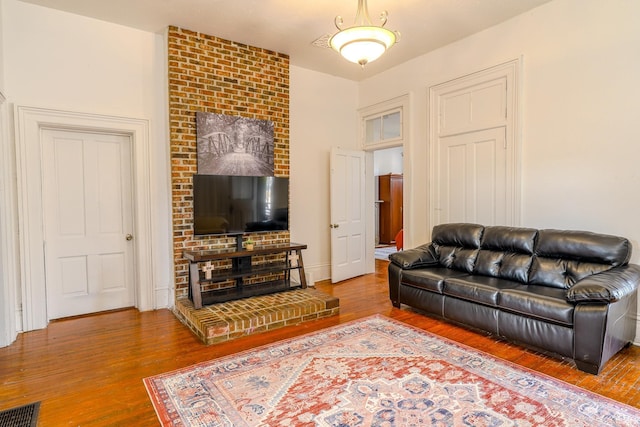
(225, 204)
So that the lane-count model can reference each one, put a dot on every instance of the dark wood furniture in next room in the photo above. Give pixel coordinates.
(390, 202)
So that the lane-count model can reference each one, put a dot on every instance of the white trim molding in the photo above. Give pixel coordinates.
(29, 123)
(400, 104)
(9, 306)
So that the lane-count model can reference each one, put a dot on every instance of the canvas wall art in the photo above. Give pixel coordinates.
(234, 145)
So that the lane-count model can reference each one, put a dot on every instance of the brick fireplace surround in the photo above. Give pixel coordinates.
(234, 319)
(210, 74)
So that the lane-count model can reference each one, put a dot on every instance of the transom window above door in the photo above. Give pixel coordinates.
(384, 125)
(383, 128)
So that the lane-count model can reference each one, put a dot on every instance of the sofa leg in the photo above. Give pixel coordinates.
(396, 304)
(589, 368)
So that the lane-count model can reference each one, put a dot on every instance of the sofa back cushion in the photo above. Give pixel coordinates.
(461, 235)
(457, 245)
(564, 257)
(506, 252)
(509, 239)
(555, 258)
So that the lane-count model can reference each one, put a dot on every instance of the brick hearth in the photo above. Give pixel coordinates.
(226, 321)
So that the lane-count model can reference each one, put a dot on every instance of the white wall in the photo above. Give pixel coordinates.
(387, 161)
(323, 114)
(7, 239)
(68, 62)
(580, 133)
(2, 61)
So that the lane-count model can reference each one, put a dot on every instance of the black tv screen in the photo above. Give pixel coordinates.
(224, 204)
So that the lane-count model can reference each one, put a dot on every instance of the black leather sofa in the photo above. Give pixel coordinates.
(571, 294)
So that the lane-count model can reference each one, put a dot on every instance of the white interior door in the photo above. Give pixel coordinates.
(348, 215)
(472, 178)
(473, 130)
(88, 222)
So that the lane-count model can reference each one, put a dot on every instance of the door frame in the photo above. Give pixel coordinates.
(512, 71)
(29, 122)
(402, 103)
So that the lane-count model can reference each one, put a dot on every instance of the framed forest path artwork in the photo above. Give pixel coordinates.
(234, 145)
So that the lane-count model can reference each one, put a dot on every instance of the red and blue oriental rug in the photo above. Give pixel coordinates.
(373, 372)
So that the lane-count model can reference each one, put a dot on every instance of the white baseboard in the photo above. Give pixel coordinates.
(164, 298)
(317, 273)
(19, 326)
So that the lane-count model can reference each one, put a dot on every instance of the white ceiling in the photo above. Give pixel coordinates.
(291, 26)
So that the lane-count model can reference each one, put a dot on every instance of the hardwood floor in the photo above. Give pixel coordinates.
(88, 371)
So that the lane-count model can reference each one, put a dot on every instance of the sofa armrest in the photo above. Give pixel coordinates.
(422, 256)
(609, 286)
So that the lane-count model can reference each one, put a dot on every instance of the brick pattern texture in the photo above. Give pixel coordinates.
(235, 319)
(210, 74)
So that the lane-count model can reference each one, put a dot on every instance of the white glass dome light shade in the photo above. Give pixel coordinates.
(362, 44)
(362, 51)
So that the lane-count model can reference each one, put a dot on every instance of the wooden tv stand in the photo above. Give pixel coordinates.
(242, 267)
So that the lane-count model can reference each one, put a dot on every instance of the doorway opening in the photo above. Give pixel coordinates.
(388, 190)
(384, 131)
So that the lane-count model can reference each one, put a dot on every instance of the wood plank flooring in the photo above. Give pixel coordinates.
(88, 371)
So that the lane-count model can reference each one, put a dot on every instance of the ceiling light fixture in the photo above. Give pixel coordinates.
(363, 42)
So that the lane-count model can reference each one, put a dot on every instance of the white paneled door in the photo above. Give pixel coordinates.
(347, 214)
(88, 222)
(472, 170)
(474, 156)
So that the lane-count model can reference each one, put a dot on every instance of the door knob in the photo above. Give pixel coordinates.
(129, 237)
(334, 225)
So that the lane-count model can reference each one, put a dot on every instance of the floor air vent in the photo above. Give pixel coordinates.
(22, 416)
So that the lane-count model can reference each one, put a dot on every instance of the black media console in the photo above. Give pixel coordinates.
(203, 271)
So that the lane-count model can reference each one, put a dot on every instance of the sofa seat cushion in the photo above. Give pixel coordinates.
(542, 302)
(431, 279)
(478, 289)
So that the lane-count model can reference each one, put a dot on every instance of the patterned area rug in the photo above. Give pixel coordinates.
(373, 372)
